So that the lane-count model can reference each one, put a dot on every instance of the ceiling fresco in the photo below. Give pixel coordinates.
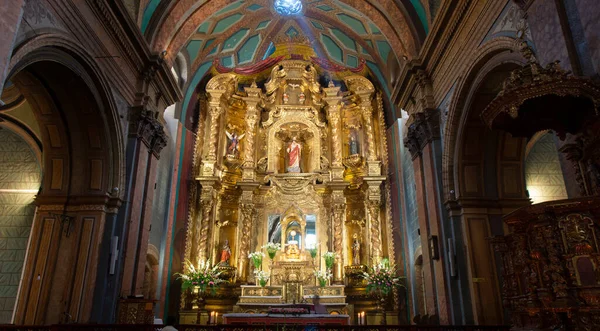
(378, 33)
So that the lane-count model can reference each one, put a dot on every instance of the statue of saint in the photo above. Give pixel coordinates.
(356, 251)
(233, 147)
(294, 151)
(225, 253)
(353, 145)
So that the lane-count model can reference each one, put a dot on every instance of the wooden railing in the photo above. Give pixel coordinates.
(137, 327)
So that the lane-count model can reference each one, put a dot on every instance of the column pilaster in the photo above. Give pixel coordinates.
(373, 211)
(422, 133)
(334, 115)
(248, 216)
(252, 116)
(214, 110)
(338, 211)
(148, 139)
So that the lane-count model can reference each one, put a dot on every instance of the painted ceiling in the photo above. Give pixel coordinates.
(242, 32)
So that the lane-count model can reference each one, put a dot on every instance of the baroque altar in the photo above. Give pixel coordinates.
(291, 150)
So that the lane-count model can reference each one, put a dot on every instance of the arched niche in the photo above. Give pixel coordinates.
(276, 146)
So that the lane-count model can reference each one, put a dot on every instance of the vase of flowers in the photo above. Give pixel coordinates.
(204, 277)
(256, 258)
(323, 277)
(382, 279)
(262, 277)
(313, 252)
(329, 259)
(201, 279)
(272, 249)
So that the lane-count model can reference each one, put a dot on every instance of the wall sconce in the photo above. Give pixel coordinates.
(434, 249)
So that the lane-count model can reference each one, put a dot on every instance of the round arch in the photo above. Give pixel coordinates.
(83, 167)
(59, 49)
(488, 56)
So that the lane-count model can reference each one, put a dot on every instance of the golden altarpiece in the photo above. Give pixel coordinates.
(285, 154)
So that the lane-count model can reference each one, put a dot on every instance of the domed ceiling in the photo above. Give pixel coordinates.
(380, 33)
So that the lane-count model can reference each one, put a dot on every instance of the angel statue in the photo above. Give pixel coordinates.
(233, 147)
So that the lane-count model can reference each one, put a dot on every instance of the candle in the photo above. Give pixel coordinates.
(216, 318)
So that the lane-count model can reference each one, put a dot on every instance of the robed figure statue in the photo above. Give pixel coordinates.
(225, 253)
(353, 145)
(356, 251)
(294, 151)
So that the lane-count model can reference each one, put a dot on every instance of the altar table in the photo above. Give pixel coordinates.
(272, 319)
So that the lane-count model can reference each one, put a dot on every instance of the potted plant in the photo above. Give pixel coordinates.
(256, 258)
(323, 277)
(262, 277)
(272, 249)
(329, 259)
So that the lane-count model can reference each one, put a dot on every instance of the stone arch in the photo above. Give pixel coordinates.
(151, 272)
(492, 52)
(419, 284)
(82, 161)
(60, 49)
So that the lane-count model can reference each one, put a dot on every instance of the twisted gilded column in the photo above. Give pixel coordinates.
(252, 116)
(206, 207)
(251, 120)
(338, 210)
(367, 113)
(334, 115)
(248, 213)
(373, 206)
(215, 111)
(336, 137)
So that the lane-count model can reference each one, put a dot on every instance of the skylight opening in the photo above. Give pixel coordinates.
(288, 7)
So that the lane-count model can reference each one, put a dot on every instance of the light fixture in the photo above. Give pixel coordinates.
(288, 7)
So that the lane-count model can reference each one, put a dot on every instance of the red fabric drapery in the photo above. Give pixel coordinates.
(248, 70)
(269, 62)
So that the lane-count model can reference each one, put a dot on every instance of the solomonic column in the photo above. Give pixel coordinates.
(208, 164)
(334, 115)
(252, 116)
(338, 213)
(218, 87)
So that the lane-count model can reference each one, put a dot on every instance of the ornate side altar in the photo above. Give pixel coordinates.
(290, 152)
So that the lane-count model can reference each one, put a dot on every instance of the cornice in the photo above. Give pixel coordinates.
(125, 33)
(447, 21)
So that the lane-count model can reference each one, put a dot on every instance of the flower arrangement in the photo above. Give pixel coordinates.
(382, 279)
(329, 259)
(256, 258)
(203, 276)
(313, 251)
(262, 277)
(272, 249)
(323, 276)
